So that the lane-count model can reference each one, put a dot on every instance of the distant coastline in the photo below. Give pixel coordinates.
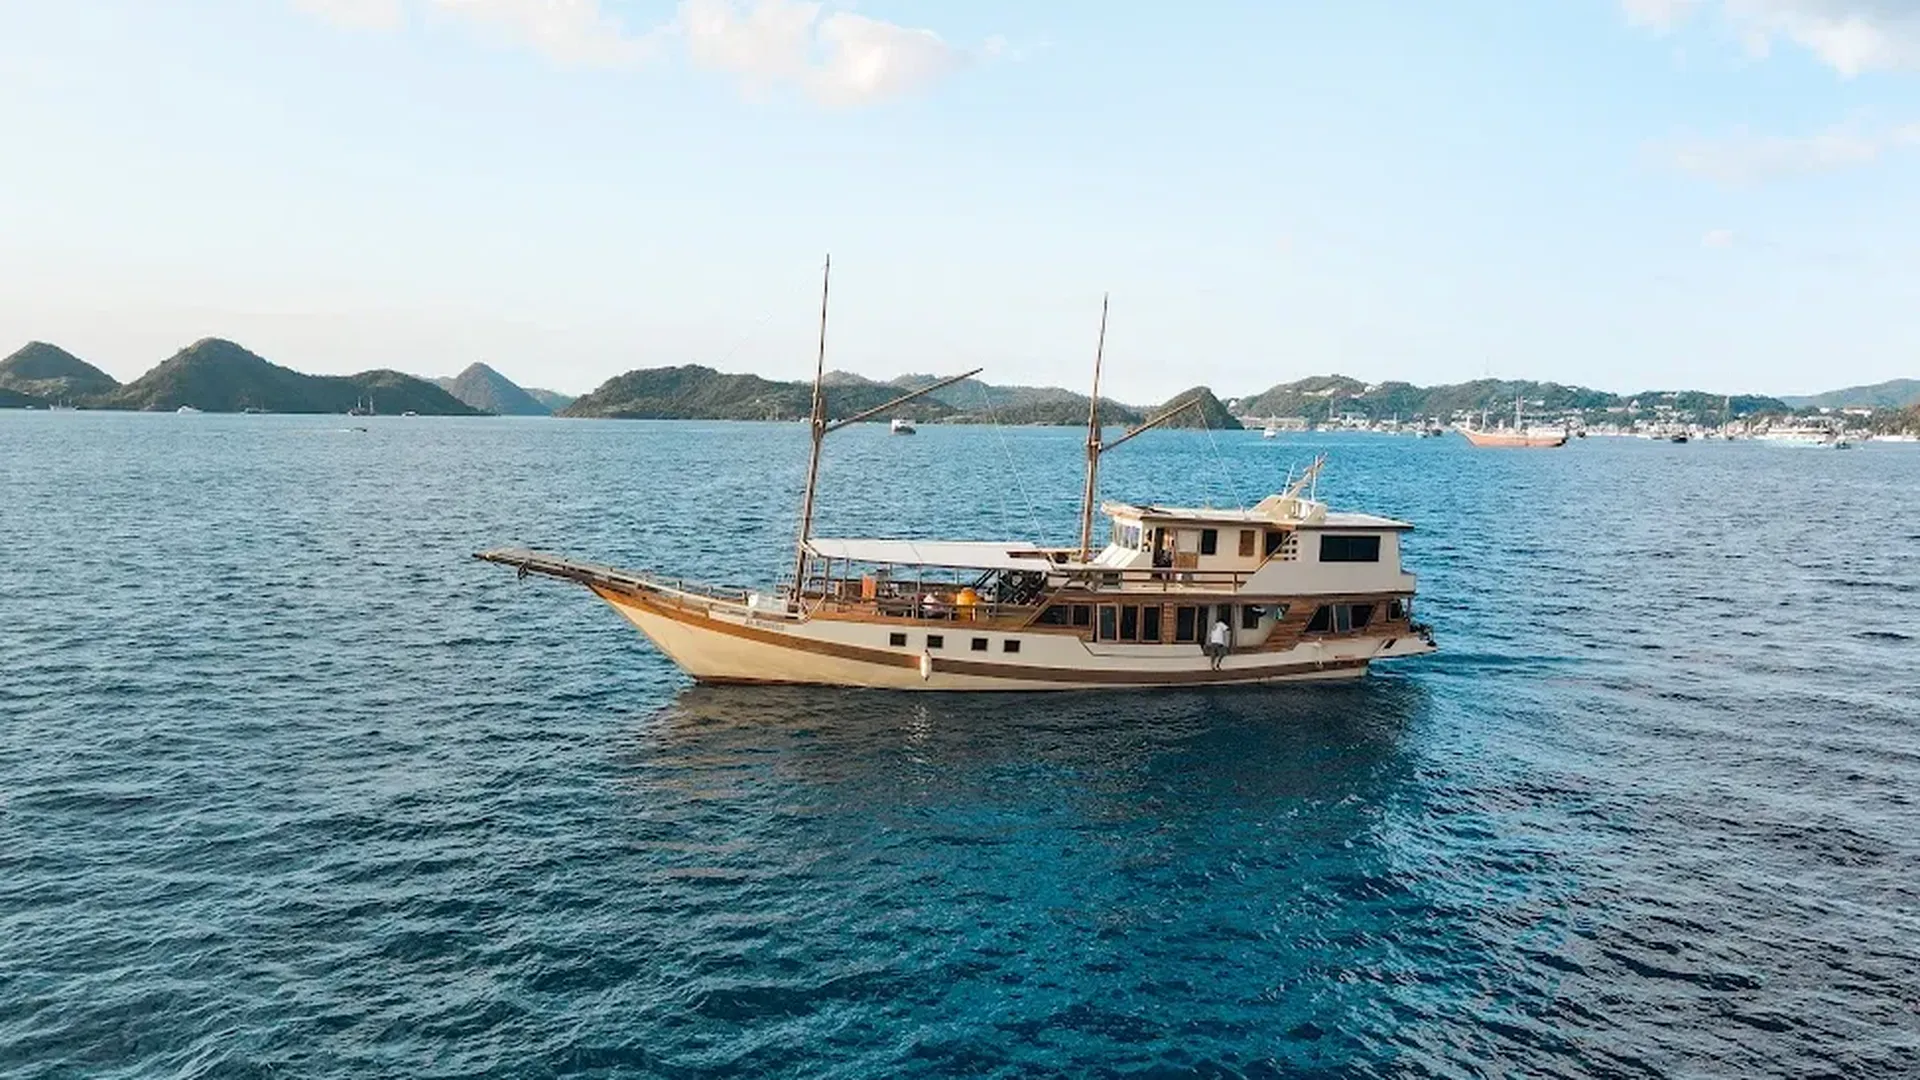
(217, 375)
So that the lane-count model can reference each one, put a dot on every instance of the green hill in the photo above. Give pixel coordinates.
(489, 391)
(1318, 397)
(553, 400)
(14, 399)
(692, 392)
(977, 402)
(49, 372)
(1892, 394)
(214, 375)
(1210, 413)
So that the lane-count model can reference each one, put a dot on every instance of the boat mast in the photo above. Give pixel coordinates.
(817, 424)
(1093, 438)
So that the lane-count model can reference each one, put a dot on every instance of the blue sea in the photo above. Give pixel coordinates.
(290, 786)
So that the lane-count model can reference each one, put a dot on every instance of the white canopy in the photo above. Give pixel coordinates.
(966, 554)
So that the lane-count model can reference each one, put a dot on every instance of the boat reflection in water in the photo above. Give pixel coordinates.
(1193, 748)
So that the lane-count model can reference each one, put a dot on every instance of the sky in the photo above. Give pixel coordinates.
(1625, 194)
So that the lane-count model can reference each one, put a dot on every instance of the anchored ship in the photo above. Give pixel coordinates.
(1517, 435)
(1286, 590)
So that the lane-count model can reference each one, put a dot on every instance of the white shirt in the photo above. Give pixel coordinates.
(1221, 632)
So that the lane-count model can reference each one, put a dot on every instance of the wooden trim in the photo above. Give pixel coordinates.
(1134, 678)
(959, 666)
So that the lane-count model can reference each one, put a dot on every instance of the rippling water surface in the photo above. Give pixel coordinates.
(289, 786)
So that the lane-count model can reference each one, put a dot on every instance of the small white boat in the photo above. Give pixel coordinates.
(901, 427)
(1272, 431)
(184, 409)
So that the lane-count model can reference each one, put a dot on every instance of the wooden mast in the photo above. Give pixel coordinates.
(1093, 439)
(818, 427)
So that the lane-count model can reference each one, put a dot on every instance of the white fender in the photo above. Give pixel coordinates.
(926, 666)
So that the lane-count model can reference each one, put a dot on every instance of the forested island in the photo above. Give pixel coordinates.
(217, 375)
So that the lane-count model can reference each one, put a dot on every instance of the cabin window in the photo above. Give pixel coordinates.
(1209, 541)
(1250, 616)
(1224, 614)
(1362, 615)
(979, 644)
(1274, 539)
(936, 641)
(1010, 645)
(1057, 615)
(1129, 623)
(1083, 614)
(1150, 624)
(1349, 549)
(1342, 618)
(1185, 622)
(1322, 620)
(1129, 536)
(1249, 540)
(1109, 623)
(898, 641)
(1396, 609)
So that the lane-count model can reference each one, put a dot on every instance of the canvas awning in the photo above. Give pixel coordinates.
(962, 554)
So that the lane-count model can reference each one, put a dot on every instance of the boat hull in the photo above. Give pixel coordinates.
(1511, 439)
(724, 647)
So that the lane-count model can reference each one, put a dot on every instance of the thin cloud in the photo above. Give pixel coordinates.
(571, 33)
(835, 58)
(1717, 238)
(1850, 36)
(1745, 158)
(357, 14)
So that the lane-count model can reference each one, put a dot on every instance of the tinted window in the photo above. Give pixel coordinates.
(1349, 549)
(1321, 622)
(979, 644)
(1250, 617)
(936, 641)
(1054, 616)
(1274, 540)
(1129, 623)
(1010, 645)
(1396, 609)
(1082, 615)
(1342, 618)
(1209, 541)
(1150, 624)
(897, 639)
(1184, 619)
(1109, 622)
(1362, 615)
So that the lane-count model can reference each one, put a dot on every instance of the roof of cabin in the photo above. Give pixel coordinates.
(964, 554)
(1254, 516)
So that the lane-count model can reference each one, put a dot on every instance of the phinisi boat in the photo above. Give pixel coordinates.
(1517, 435)
(1297, 592)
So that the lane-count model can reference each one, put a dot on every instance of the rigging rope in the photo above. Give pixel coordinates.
(1226, 478)
(1033, 515)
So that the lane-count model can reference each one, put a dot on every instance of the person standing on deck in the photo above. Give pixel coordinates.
(1217, 640)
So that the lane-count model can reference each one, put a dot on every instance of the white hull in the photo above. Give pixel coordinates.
(725, 645)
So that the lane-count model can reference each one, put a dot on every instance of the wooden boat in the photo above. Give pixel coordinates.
(1305, 593)
(1516, 436)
